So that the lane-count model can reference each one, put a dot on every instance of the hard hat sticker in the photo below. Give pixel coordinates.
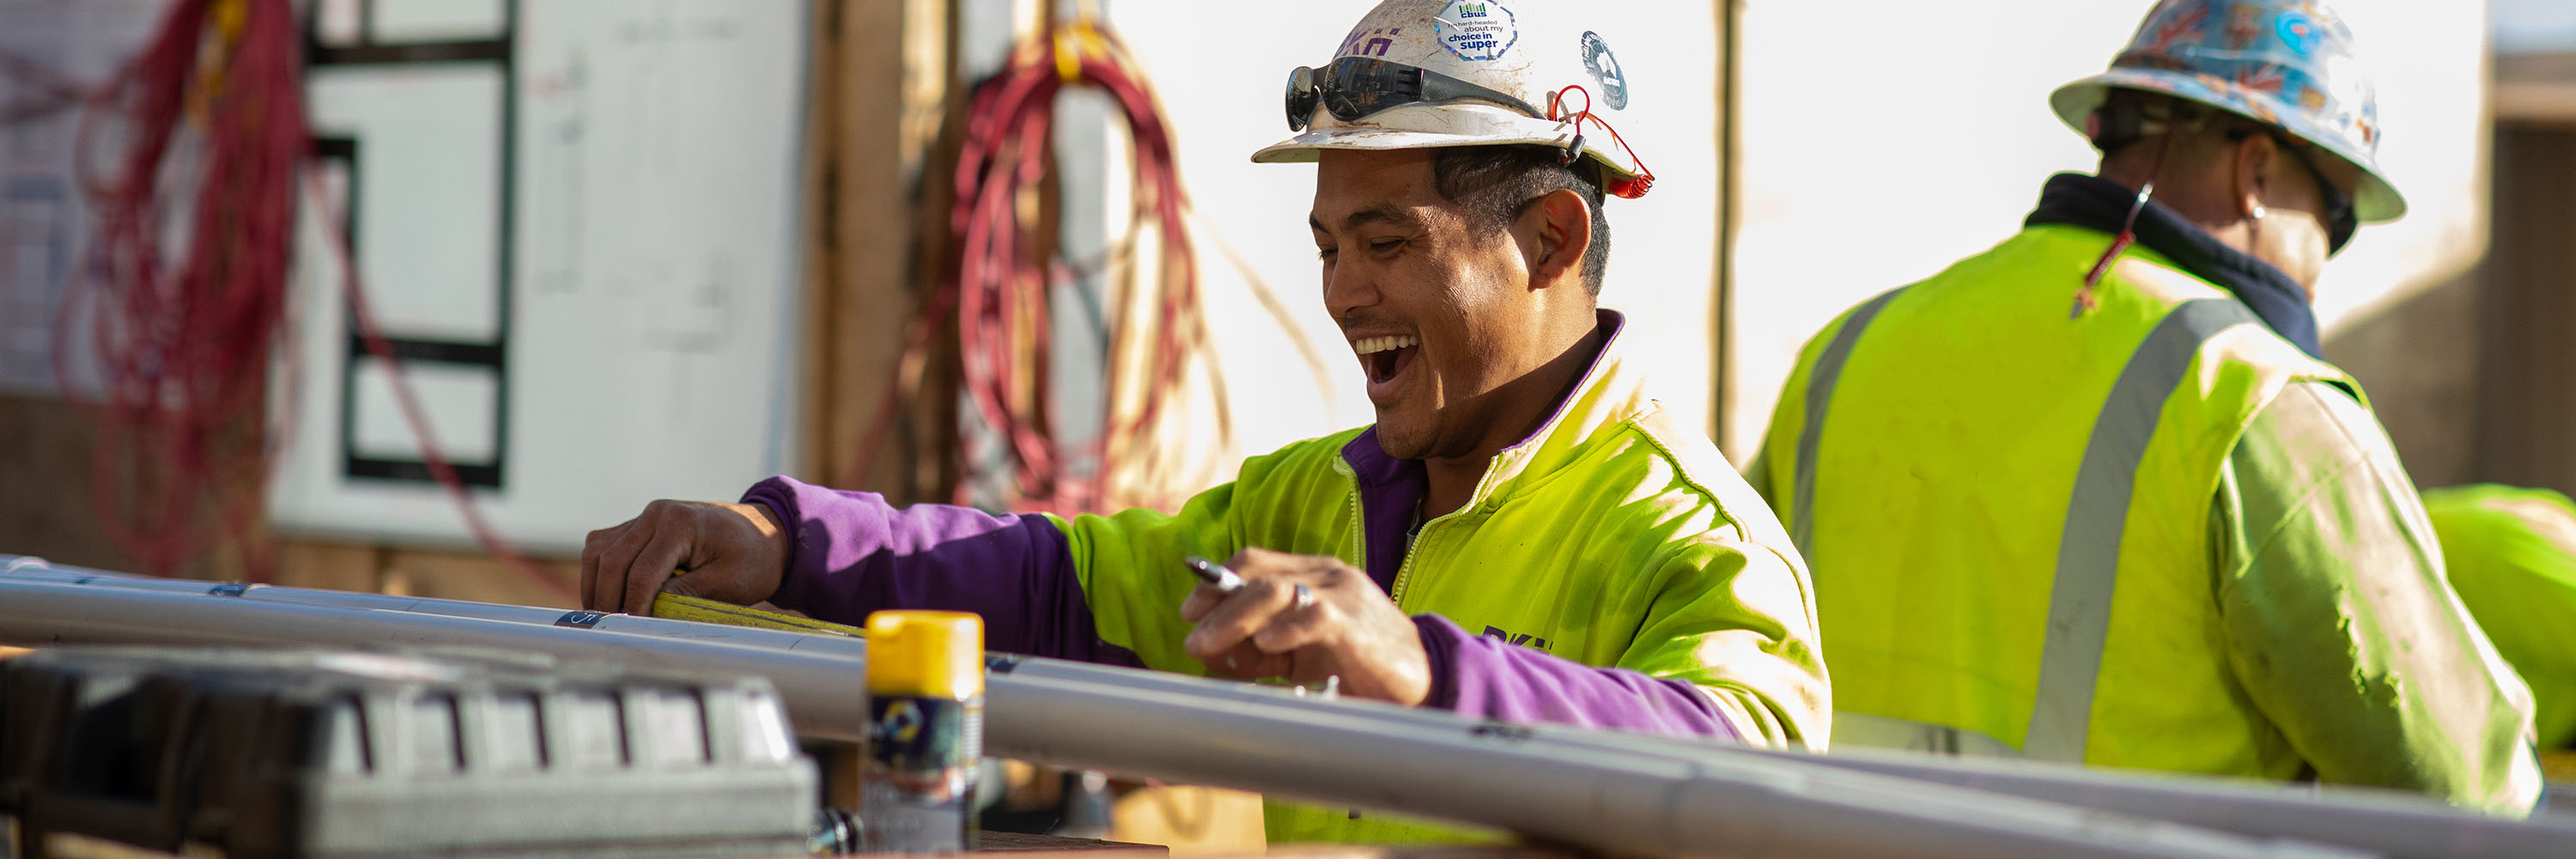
(1605, 71)
(1475, 29)
(2298, 32)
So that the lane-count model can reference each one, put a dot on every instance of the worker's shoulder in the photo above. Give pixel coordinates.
(1701, 477)
(2312, 444)
(2313, 421)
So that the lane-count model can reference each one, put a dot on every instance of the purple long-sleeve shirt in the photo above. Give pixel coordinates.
(853, 553)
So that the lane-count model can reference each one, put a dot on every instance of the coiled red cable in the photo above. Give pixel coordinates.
(209, 126)
(184, 285)
(999, 298)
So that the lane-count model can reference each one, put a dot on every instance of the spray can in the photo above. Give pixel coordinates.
(925, 683)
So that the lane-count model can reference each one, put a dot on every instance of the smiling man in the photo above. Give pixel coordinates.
(1522, 535)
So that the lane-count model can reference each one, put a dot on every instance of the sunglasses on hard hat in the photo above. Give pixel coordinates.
(2340, 218)
(1353, 87)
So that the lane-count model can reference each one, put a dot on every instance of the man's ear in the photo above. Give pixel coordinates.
(1554, 232)
(2254, 156)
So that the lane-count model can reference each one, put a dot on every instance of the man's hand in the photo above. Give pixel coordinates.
(732, 552)
(1346, 627)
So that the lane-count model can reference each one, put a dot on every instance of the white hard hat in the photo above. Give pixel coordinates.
(1418, 74)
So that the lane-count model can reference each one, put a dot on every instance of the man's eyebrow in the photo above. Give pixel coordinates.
(1381, 213)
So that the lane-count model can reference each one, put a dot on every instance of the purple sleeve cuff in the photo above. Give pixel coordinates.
(1489, 678)
(851, 553)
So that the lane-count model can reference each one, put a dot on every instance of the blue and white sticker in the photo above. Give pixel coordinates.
(1475, 29)
(2298, 31)
(1605, 71)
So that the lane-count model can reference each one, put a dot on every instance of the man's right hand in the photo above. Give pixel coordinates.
(732, 552)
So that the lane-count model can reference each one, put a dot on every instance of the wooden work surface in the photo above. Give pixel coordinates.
(1015, 842)
(1417, 851)
(2558, 767)
(1006, 842)
(1011, 842)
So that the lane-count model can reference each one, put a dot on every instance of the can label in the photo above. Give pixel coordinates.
(917, 791)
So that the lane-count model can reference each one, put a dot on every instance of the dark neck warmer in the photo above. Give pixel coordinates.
(2095, 203)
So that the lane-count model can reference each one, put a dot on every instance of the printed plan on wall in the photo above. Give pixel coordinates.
(574, 224)
(65, 46)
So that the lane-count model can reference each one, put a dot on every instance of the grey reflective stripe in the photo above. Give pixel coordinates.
(1820, 395)
(2088, 554)
(1863, 730)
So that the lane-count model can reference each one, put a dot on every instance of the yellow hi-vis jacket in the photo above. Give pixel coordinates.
(2007, 506)
(1619, 538)
(2511, 553)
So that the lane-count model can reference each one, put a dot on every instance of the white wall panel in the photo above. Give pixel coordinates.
(636, 279)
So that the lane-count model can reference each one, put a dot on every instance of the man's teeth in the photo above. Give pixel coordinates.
(1374, 345)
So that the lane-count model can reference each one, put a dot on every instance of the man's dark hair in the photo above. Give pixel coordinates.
(1494, 184)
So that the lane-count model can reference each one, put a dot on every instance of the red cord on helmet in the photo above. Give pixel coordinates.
(1625, 187)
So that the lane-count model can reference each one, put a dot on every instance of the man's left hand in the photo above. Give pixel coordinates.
(1345, 625)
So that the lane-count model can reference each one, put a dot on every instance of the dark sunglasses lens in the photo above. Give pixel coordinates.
(2341, 219)
(1356, 86)
(1301, 98)
(1348, 105)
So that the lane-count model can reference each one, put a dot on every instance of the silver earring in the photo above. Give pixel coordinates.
(2258, 213)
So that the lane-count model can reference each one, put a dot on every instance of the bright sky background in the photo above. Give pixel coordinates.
(2535, 26)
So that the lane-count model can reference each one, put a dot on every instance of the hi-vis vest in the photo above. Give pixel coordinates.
(1614, 537)
(2005, 504)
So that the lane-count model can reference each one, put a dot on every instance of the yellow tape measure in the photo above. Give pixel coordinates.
(677, 607)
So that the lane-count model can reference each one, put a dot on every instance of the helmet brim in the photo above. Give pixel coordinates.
(1431, 126)
(2374, 200)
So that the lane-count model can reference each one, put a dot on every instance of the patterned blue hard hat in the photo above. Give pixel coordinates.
(2289, 63)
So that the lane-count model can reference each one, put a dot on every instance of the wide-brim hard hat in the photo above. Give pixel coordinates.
(2284, 63)
(1530, 50)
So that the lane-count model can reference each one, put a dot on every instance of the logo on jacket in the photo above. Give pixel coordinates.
(1520, 639)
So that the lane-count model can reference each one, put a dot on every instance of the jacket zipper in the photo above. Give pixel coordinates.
(1359, 530)
(1359, 544)
(1404, 569)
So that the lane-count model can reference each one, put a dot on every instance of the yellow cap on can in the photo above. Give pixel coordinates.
(931, 654)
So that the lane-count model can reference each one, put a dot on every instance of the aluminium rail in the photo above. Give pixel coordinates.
(1608, 791)
(2392, 823)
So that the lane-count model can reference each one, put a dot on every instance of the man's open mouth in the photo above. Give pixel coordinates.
(1386, 356)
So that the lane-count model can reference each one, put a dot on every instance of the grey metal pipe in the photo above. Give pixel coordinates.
(2395, 823)
(2390, 822)
(822, 691)
(1619, 801)
(1351, 753)
(652, 626)
(2398, 824)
